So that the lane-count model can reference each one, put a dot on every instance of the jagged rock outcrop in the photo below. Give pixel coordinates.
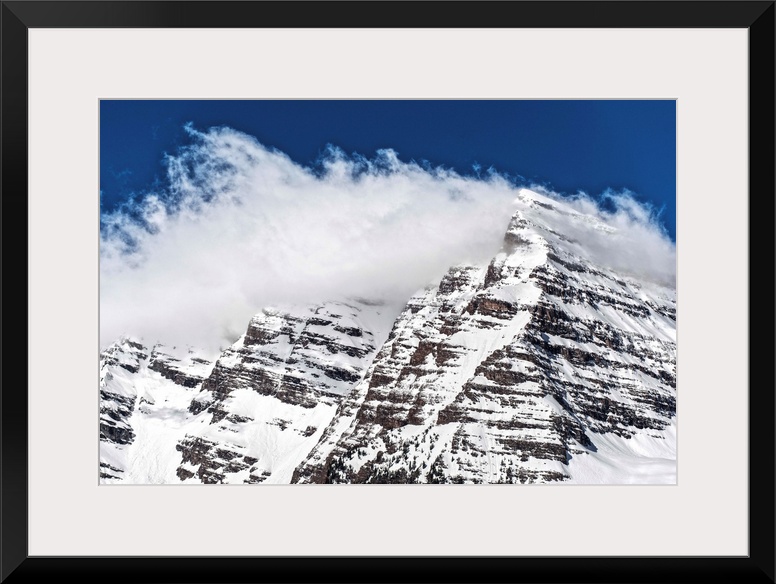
(117, 402)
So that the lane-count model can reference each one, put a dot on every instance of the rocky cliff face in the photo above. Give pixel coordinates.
(541, 366)
(269, 396)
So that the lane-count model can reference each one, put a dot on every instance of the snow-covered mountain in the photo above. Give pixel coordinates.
(544, 365)
(250, 416)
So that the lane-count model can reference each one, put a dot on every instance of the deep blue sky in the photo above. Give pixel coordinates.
(566, 145)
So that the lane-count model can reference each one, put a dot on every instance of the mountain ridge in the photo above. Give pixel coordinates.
(519, 371)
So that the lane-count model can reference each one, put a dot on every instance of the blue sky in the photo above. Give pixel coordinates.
(234, 222)
(567, 146)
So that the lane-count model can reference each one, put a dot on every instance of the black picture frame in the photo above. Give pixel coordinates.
(19, 16)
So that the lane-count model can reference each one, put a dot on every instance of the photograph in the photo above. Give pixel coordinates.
(443, 257)
(387, 292)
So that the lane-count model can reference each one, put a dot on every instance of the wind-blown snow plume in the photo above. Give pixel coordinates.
(618, 232)
(240, 226)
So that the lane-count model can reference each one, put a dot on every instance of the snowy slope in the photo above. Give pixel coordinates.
(144, 397)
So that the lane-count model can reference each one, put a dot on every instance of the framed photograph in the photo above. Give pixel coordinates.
(468, 291)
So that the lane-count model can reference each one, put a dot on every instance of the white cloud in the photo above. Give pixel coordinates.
(241, 226)
(618, 232)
